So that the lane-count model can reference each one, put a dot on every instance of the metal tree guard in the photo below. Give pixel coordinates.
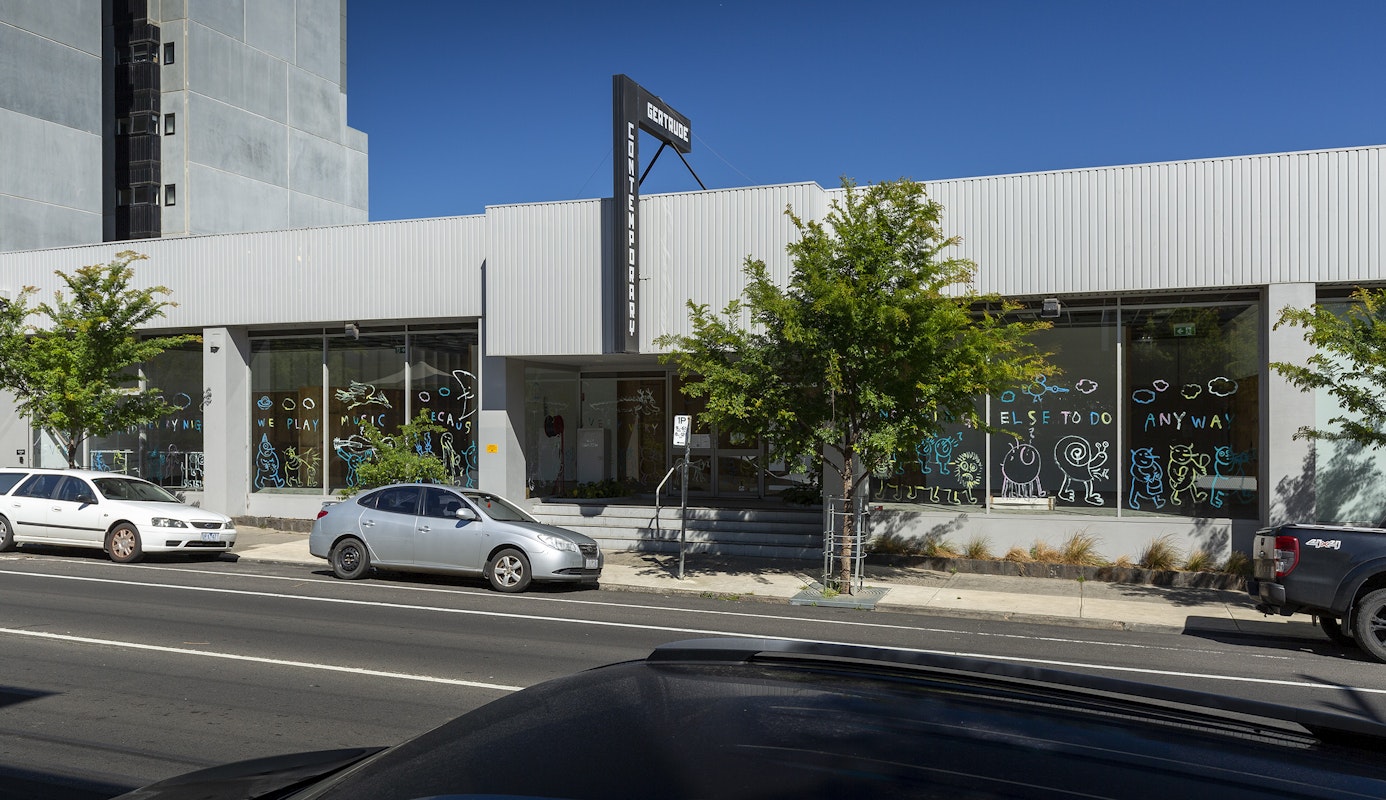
(834, 517)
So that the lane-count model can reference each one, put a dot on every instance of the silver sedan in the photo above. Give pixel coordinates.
(431, 528)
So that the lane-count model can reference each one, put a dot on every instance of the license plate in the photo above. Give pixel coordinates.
(590, 563)
(211, 537)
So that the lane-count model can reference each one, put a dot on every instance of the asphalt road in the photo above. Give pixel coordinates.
(116, 676)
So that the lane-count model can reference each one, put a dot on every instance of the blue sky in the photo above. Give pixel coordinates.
(470, 103)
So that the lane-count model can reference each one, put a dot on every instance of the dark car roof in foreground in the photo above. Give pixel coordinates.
(744, 718)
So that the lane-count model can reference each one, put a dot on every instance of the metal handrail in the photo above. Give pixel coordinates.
(659, 531)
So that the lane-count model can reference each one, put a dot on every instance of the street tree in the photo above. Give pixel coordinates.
(73, 364)
(877, 342)
(1349, 361)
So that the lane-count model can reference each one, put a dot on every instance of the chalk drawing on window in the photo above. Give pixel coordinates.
(362, 394)
(1008, 396)
(301, 469)
(267, 465)
(1143, 396)
(1191, 391)
(1147, 478)
(968, 467)
(1020, 470)
(1081, 462)
(353, 450)
(1086, 386)
(1041, 387)
(939, 451)
(264, 403)
(1222, 387)
(1229, 476)
(1186, 468)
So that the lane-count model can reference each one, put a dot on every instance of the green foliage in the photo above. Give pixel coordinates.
(874, 344)
(77, 376)
(1080, 549)
(400, 457)
(1349, 361)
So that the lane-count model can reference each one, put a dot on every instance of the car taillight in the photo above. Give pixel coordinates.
(1286, 555)
(322, 513)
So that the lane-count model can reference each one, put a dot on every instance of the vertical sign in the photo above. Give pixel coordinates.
(634, 110)
(681, 425)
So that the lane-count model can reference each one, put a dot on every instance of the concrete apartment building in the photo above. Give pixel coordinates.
(145, 118)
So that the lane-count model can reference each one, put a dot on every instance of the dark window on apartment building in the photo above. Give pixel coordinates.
(133, 161)
(168, 52)
(170, 195)
(169, 125)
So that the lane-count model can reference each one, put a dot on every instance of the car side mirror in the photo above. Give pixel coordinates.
(86, 499)
(465, 513)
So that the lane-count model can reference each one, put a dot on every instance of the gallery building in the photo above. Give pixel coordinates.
(1164, 283)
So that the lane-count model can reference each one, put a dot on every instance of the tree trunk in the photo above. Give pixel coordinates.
(72, 443)
(849, 522)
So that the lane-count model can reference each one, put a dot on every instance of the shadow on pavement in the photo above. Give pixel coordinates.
(24, 784)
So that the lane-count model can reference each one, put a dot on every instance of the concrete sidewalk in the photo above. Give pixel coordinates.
(1090, 604)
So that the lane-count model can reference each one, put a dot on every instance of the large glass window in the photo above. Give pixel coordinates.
(366, 383)
(307, 436)
(551, 400)
(444, 383)
(1192, 420)
(167, 451)
(1060, 440)
(286, 428)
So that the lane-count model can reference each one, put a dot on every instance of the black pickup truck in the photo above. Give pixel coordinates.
(1334, 572)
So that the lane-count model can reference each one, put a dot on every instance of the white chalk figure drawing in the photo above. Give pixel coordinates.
(267, 465)
(1082, 462)
(1020, 470)
(196, 463)
(362, 394)
(1086, 386)
(968, 468)
(1147, 478)
(301, 469)
(353, 450)
(1228, 464)
(466, 391)
(939, 451)
(1185, 469)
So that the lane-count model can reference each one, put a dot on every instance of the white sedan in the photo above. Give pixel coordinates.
(127, 517)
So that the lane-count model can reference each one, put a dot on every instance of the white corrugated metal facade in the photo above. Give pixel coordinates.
(536, 276)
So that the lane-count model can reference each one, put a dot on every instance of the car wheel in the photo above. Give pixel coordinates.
(1332, 627)
(350, 559)
(123, 544)
(1369, 624)
(508, 571)
(6, 535)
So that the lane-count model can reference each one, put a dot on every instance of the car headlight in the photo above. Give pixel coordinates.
(168, 522)
(556, 542)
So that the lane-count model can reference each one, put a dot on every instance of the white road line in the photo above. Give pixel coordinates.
(738, 634)
(278, 662)
(709, 612)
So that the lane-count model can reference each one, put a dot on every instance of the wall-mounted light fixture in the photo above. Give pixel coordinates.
(352, 331)
(1051, 308)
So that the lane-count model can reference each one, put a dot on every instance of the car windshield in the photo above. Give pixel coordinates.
(498, 508)
(129, 489)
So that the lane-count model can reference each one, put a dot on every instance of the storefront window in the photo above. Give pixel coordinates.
(551, 400)
(945, 470)
(172, 454)
(366, 384)
(286, 426)
(384, 378)
(1191, 411)
(167, 451)
(444, 383)
(1060, 440)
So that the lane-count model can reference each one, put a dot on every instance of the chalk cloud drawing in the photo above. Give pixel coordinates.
(1020, 470)
(1147, 478)
(1081, 462)
(1222, 387)
(1191, 391)
(1086, 386)
(1185, 469)
(1143, 396)
(267, 465)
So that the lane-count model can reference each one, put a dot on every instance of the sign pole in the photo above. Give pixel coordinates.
(682, 422)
